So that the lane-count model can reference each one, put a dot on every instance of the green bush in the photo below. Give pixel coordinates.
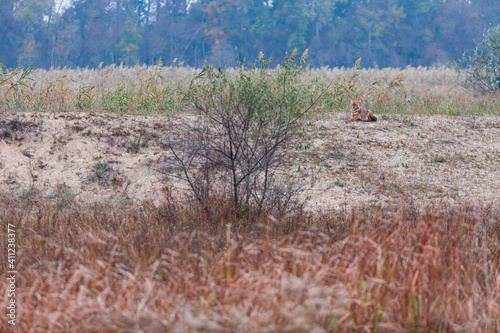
(245, 120)
(483, 68)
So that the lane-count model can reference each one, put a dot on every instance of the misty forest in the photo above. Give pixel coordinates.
(384, 33)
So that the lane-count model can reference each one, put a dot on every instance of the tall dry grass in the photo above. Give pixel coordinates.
(161, 90)
(173, 268)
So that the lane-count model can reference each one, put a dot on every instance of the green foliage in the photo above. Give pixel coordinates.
(101, 169)
(145, 98)
(26, 153)
(17, 83)
(341, 182)
(85, 98)
(127, 48)
(245, 118)
(16, 79)
(483, 68)
(101, 166)
(261, 101)
(117, 100)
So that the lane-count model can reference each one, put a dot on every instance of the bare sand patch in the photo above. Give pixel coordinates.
(116, 158)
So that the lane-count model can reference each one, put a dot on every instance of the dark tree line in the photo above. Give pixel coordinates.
(384, 33)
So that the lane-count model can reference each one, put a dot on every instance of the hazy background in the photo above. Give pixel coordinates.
(384, 33)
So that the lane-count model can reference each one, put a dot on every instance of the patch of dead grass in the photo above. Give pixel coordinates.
(173, 268)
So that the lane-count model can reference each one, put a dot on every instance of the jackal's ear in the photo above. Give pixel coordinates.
(352, 101)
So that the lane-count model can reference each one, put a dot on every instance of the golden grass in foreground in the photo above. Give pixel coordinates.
(112, 269)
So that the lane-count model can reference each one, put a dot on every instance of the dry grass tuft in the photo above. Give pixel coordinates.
(173, 268)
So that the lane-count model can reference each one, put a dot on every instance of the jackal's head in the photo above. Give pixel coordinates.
(355, 105)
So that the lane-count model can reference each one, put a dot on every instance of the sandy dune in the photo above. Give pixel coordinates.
(116, 158)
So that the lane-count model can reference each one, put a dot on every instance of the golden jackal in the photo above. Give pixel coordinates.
(361, 113)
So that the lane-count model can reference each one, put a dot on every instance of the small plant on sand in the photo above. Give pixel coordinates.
(341, 182)
(101, 168)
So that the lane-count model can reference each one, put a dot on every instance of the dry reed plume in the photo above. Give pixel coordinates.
(172, 268)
